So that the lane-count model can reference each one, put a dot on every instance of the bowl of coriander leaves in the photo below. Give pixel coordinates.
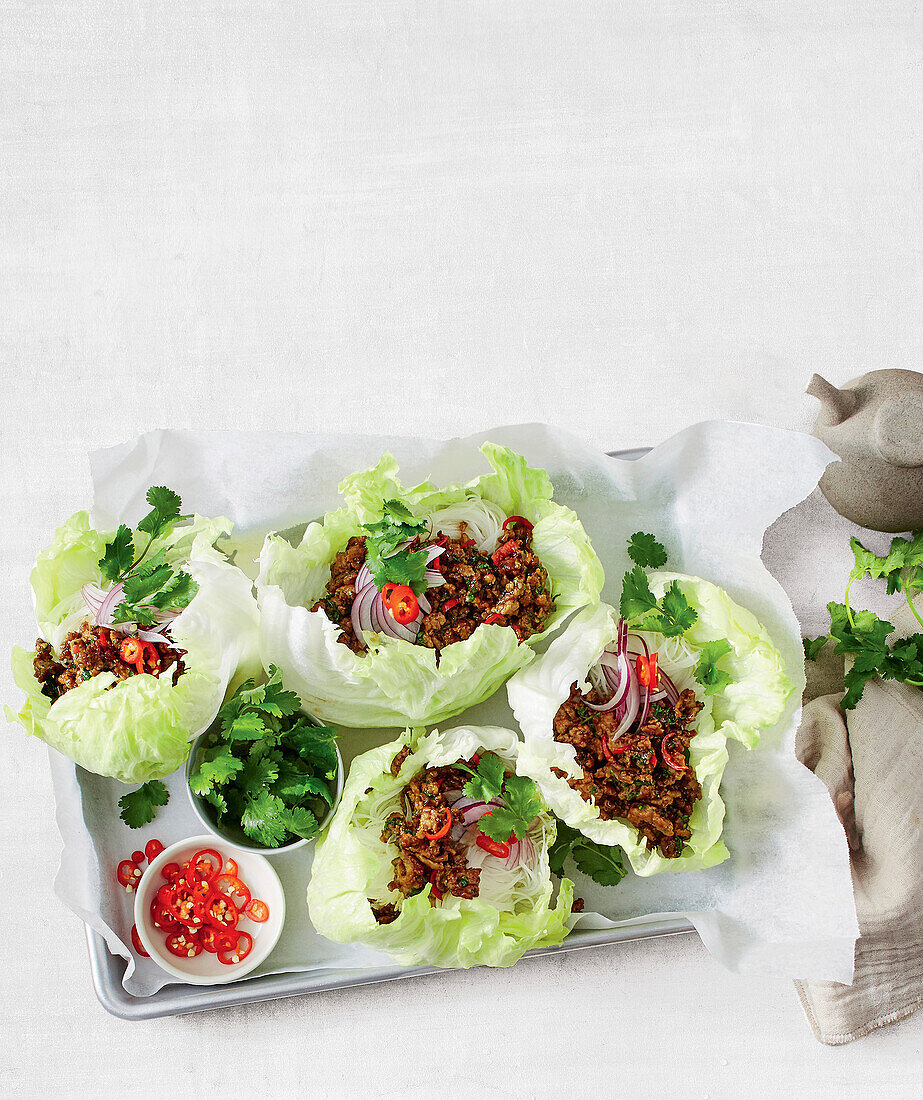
(265, 777)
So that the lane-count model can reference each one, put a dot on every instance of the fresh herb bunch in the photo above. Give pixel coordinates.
(523, 804)
(601, 863)
(863, 635)
(269, 768)
(139, 808)
(148, 586)
(672, 615)
(387, 563)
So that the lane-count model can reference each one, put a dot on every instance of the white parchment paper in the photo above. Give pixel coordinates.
(781, 905)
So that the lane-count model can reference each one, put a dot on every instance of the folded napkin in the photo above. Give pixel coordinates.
(872, 763)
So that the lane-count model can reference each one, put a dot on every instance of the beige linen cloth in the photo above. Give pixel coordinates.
(872, 764)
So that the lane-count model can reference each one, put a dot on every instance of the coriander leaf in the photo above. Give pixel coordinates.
(564, 840)
(387, 563)
(712, 678)
(637, 598)
(126, 612)
(140, 585)
(215, 771)
(513, 819)
(294, 784)
(283, 761)
(165, 506)
(259, 773)
(397, 524)
(865, 668)
(902, 554)
(302, 822)
(398, 512)
(865, 631)
(813, 646)
(909, 652)
(276, 700)
(487, 781)
(403, 567)
(314, 745)
(674, 617)
(217, 799)
(145, 568)
(867, 561)
(522, 799)
(119, 555)
(599, 862)
(646, 551)
(138, 807)
(246, 727)
(500, 824)
(234, 705)
(176, 593)
(265, 820)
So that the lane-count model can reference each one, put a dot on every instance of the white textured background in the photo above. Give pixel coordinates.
(616, 217)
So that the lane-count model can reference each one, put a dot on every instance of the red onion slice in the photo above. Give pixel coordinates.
(93, 597)
(646, 705)
(616, 670)
(114, 597)
(433, 578)
(631, 710)
(475, 812)
(671, 690)
(376, 610)
(360, 613)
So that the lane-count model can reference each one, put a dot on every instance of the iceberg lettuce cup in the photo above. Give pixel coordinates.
(412, 604)
(626, 731)
(142, 633)
(408, 867)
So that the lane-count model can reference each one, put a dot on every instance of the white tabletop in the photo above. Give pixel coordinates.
(433, 218)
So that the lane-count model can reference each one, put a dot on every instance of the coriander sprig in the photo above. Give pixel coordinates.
(523, 804)
(599, 862)
(863, 635)
(152, 586)
(384, 560)
(671, 615)
(139, 808)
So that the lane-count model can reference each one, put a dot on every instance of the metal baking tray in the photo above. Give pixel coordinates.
(176, 1000)
(107, 970)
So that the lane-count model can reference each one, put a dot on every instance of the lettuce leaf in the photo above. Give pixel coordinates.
(754, 700)
(139, 729)
(513, 912)
(396, 681)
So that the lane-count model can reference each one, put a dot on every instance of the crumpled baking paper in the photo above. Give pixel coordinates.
(781, 905)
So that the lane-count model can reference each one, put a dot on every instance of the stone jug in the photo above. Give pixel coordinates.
(875, 424)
